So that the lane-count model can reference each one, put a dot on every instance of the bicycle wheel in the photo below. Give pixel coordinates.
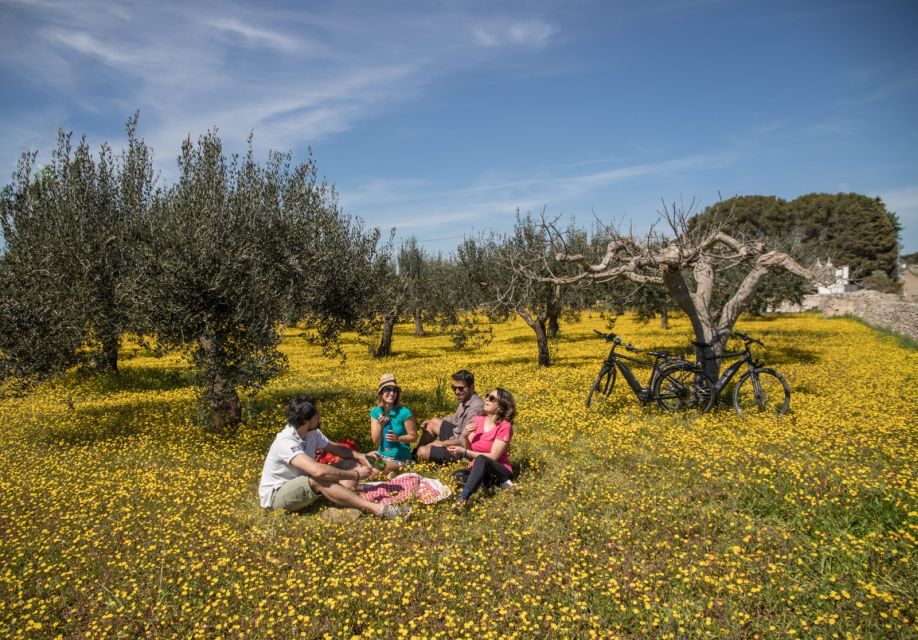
(761, 391)
(681, 387)
(603, 384)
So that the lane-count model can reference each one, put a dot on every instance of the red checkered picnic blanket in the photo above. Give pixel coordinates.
(403, 487)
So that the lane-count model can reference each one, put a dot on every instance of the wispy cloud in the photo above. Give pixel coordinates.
(410, 205)
(254, 36)
(290, 75)
(904, 202)
(84, 43)
(532, 33)
(767, 128)
(833, 127)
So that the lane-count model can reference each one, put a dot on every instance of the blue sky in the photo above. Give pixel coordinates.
(442, 118)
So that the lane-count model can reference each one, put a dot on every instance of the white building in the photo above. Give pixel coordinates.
(842, 283)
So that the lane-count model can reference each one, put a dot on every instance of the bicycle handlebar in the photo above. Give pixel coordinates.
(736, 334)
(608, 337)
(747, 338)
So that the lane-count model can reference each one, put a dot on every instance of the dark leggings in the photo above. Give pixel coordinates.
(484, 471)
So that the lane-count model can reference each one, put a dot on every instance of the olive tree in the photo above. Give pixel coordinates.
(515, 275)
(414, 284)
(688, 261)
(68, 231)
(234, 248)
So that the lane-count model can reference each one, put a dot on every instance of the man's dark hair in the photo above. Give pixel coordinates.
(465, 377)
(300, 410)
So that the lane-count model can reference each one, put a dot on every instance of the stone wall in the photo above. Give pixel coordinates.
(882, 310)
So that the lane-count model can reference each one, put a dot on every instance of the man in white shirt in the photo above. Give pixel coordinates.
(291, 479)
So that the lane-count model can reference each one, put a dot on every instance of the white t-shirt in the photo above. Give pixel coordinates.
(277, 469)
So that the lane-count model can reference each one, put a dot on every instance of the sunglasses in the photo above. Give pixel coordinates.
(459, 389)
(491, 398)
(385, 390)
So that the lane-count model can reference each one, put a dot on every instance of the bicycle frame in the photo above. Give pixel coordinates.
(618, 362)
(641, 392)
(710, 390)
(745, 358)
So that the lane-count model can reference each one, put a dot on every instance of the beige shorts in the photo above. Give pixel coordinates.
(294, 495)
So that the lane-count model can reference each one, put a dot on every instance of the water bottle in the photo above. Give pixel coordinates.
(386, 445)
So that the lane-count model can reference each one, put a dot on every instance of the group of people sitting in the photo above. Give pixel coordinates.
(479, 430)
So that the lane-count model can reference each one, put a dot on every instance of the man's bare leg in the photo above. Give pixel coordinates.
(346, 464)
(423, 453)
(339, 494)
(430, 431)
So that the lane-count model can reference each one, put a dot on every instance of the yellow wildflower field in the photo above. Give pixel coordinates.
(120, 518)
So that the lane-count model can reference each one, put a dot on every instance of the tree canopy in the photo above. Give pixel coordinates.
(68, 229)
(234, 248)
(211, 265)
(688, 260)
(848, 228)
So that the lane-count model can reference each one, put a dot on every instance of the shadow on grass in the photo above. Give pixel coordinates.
(97, 424)
(793, 355)
(135, 379)
(409, 354)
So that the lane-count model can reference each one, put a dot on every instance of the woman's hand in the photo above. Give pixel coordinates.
(391, 436)
(467, 432)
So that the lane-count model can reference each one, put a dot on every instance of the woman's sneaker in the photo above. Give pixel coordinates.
(506, 484)
(393, 511)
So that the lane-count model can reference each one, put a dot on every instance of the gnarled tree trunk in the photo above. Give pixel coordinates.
(110, 345)
(385, 341)
(537, 324)
(554, 312)
(705, 253)
(220, 397)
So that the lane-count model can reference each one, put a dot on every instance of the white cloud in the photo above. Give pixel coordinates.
(413, 204)
(85, 43)
(290, 74)
(904, 198)
(255, 36)
(531, 33)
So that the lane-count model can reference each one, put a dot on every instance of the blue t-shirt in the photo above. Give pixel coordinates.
(397, 417)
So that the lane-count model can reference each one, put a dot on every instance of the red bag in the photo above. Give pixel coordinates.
(325, 457)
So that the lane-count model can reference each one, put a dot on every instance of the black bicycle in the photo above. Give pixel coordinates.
(605, 381)
(759, 390)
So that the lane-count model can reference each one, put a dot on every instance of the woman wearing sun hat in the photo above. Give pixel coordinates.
(392, 425)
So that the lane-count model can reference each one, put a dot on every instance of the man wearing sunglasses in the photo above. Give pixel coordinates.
(439, 433)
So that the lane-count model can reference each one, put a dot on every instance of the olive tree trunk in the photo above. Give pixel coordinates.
(222, 407)
(384, 349)
(537, 324)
